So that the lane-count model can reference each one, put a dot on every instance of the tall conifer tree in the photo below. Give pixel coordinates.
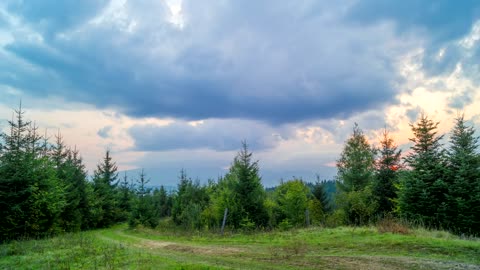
(424, 187)
(31, 197)
(463, 211)
(250, 191)
(105, 188)
(386, 175)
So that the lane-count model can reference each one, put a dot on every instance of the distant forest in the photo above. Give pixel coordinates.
(45, 188)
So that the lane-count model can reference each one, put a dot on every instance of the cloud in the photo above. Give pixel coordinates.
(52, 16)
(449, 29)
(104, 132)
(290, 77)
(341, 130)
(277, 63)
(219, 135)
(442, 20)
(413, 113)
(461, 100)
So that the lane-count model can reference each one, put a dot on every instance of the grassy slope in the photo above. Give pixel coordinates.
(315, 248)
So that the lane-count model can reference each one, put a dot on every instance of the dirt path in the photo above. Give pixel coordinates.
(225, 255)
(174, 246)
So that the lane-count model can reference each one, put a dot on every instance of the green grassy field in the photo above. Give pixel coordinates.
(313, 248)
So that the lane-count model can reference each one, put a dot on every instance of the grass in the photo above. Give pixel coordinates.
(312, 248)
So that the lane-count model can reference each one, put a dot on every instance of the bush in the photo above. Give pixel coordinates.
(285, 225)
(336, 219)
(247, 225)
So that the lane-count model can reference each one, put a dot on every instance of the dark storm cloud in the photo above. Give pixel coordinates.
(219, 135)
(278, 62)
(442, 20)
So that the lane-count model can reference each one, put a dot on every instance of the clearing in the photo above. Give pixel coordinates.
(312, 248)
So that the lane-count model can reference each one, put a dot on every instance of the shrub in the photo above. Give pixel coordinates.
(247, 225)
(285, 225)
(337, 218)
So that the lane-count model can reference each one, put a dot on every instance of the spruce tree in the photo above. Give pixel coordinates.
(386, 176)
(14, 185)
(162, 202)
(319, 193)
(189, 202)
(143, 213)
(249, 189)
(105, 189)
(180, 199)
(422, 195)
(125, 198)
(31, 196)
(59, 153)
(61, 160)
(71, 171)
(82, 187)
(463, 211)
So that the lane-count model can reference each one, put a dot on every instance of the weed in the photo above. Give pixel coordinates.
(297, 248)
(392, 225)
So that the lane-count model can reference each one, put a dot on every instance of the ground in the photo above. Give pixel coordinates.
(312, 248)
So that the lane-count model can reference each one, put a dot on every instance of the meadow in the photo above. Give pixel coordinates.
(119, 247)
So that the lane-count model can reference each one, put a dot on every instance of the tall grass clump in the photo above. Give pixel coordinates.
(393, 225)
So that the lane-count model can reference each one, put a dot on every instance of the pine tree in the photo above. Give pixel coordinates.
(83, 188)
(249, 189)
(180, 199)
(105, 189)
(31, 197)
(463, 211)
(162, 202)
(71, 171)
(59, 153)
(424, 187)
(143, 213)
(319, 193)
(70, 216)
(125, 200)
(14, 186)
(189, 202)
(386, 176)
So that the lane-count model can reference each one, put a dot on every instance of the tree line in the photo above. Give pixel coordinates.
(433, 185)
(45, 188)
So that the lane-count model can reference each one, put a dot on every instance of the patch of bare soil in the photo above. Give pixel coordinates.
(207, 250)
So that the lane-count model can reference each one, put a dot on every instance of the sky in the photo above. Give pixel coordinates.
(175, 84)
